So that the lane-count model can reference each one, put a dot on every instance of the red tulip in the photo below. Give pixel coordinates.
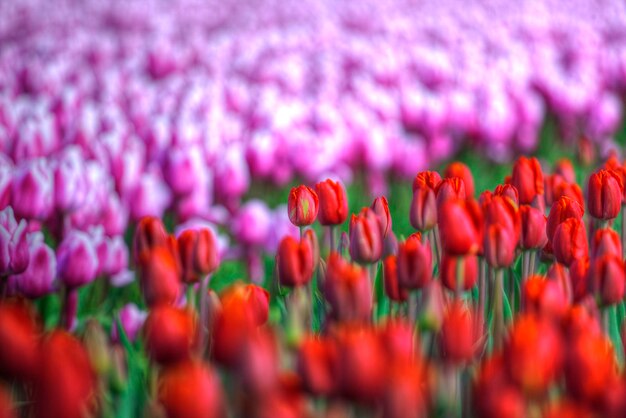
(544, 297)
(7, 409)
(303, 205)
(190, 389)
(508, 191)
(244, 309)
(579, 277)
(608, 279)
(458, 277)
(606, 241)
(348, 290)
(294, 261)
(366, 241)
(169, 334)
(258, 363)
(450, 188)
(404, 396)
(381, 210)
(333, 204)
(361, 364)
(528, 180)
(533, 234)
(570, 241)
(499, 245)
(590, 367)
(458, 339)
(561, 210)
(460, 224)
(19, 339)
(399, 341)
(462, 171)
(198, 254)
(390, 276)
(565, 169)
(66, 384)
(494, 395)
(311, 238)
(604, 194)
(317, 357)
(423, 214)
(159, 276)
(414, 263)
(150, 233)
(559, 274)
(533, 354)
(571, 190)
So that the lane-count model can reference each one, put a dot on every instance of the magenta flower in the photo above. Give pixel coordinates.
(77, 259)
(39, 277)
(14, 254)
(32, 192)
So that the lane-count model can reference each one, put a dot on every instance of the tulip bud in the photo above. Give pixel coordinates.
(14, 255)
(533, 234)
(333, 208)
(348, 290)
(66, 384)
(570, 241)
(19, 339)
(571, 190)
(311, 237)
(579, 277)
(561, 276)
(431, 315)
(302, 206)
(169, 334)
(458, 273)
(414, 263)
(380, 207)
(32, 191)
(528, 180)
(460, 224)
(462, 171)
(97, 346)
(423, 215)
(361, 364)
(198, 254)
(366, 242)
(504, 212)
(390, 276)
(131, 319)
(159, 277)
(316, 363)
(77, 260)
(119, 369)
(606, 241)
(604, 194)
(507, 191)
(608, 279)
(38, 278)
(295, 262)
(190, 389)
(457, 338)
(543, 297)
(150, 233)
(561, 210)
(499, 245)
(565, 169)
(450, 188)
(533, 354)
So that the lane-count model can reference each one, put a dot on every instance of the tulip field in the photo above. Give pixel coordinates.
(312, 209)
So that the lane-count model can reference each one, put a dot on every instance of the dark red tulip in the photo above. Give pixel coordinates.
(366, 241)
(528, 180)
(458, 338)
(7, 408)
(361, 364)
(414, 263)
(423, 213)
(302, 205)
(561, 210)
(462, 171)
(159, 276)
(243, 309)
(190, 389)
(317, 357)
(150, 233)
(460, 224)
(169, 333)
(544, 297)
(533, 234)
(500, 210)
(494, 395)
(390, 276)
(19, 339)
(604, 194)
(333, 203)
(579, 277)
(606, 241)
(458, 272)
(198, 253)
(508, 191)
(348, 290)
(533, 354)
(499, 245)
(450, 188)
(381, 210)
(294, 261)
(608, 279)
(66, 385)
(570, 241)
